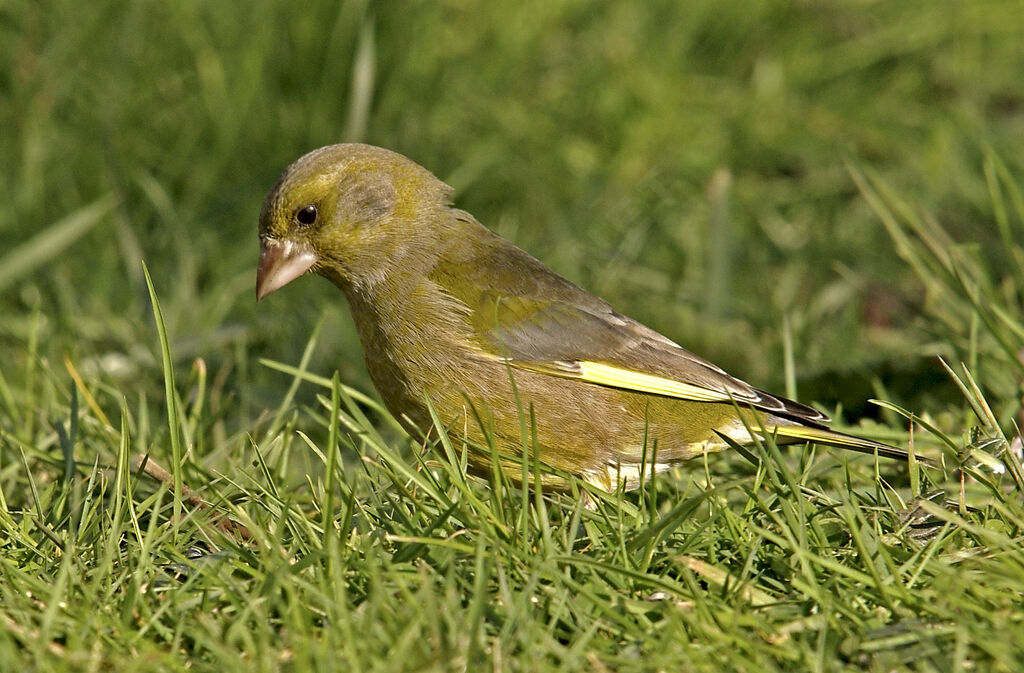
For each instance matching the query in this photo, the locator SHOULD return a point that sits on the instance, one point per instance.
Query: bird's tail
(805, 433)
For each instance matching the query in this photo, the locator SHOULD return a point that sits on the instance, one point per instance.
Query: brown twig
(146, 464)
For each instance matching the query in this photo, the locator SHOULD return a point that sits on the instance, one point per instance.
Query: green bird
(448, 311)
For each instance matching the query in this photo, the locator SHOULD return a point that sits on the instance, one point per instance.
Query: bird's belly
(601, 434)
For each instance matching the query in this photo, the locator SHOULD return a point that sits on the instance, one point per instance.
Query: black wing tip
(788, 408)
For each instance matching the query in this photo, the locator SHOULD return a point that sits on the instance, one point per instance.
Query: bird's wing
(529, 316)
(598, 345)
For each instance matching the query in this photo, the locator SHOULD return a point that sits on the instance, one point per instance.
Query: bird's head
(352, 213)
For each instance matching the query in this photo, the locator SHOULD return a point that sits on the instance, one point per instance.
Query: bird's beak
(281, 262)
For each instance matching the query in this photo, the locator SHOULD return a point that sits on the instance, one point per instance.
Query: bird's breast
(418, 347)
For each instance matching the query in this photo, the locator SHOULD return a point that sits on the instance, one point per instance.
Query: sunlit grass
(824, 197)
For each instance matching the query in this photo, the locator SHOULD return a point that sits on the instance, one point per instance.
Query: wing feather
(538, 321)
(606, 348)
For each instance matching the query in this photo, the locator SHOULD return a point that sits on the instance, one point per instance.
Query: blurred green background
(686, 160)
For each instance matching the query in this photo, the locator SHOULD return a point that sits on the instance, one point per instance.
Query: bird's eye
(306, 216)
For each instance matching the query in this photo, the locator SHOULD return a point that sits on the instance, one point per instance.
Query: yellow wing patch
(626, 379)
(617, 377)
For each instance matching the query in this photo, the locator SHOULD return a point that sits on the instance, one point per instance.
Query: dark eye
(306, 216)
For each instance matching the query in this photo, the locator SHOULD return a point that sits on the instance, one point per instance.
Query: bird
(510, 355)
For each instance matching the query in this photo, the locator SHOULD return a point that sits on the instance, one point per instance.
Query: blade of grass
(170, 393)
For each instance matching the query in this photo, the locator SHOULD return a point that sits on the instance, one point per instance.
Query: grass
(824, 197)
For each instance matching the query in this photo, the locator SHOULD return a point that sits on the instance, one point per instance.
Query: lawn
(824, 197)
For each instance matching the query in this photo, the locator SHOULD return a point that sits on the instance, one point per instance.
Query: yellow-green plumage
(449, 311)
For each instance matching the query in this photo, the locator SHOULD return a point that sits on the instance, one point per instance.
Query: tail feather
(824, 436)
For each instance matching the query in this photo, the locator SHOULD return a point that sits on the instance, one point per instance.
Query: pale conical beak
(281, 262)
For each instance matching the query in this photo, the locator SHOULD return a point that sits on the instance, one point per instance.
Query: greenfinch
(448, 311)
